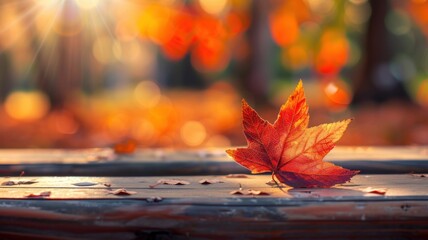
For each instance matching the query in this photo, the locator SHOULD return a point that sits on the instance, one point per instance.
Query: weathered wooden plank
(19, 156)
(158, 162)
(132, 219)
(407, 185)
(197, 211)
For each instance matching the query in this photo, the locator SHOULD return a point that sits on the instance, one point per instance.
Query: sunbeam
(105, 23)
(18, 19)
(44, 37)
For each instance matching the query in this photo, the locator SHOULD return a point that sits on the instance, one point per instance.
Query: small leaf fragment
(173, 182)
(169, 182)
(84, 184)
(419, 175)
(122, 192)
(379, 191)
(40, 195)
(28, 182)
(272, 183)
(206, 181)
(249, 192)
(11, 183)
(126, 147)
(256, 192)
(237, 192)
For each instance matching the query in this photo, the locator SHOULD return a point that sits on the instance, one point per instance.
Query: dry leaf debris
(39, 195)
(122, 192)
(206, 181)
(169, 182)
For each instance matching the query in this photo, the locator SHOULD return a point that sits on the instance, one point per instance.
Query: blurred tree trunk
(5, 76)
(173, 74)
(373, 81)
(253, 72)
(63, 78)
(69, 71)
(43, 77)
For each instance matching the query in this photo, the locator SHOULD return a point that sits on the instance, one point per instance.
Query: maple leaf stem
(276, 183)
(273, 179)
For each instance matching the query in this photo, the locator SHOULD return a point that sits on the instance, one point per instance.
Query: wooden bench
(164, 162)
(388, 200)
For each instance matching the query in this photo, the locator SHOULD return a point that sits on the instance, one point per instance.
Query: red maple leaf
(288, 148)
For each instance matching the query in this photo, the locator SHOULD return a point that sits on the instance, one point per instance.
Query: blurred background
(172, 73)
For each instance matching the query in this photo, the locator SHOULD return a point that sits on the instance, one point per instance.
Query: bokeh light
(295, 57)
(398, 22)
(321, 7)
(118, 125)
(26, 106)
(333, 53)
(154, 21)
(65, 123)
(193, 133)
(171, 73)
(215, 7)
(357, 13)
(147, 94)
(338, 94)
(422, 93)
(284, 28)
(210, 56)
(106, 50)
(145, 132)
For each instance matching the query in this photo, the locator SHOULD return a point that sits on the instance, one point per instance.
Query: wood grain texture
(197, 211)
(404, 185)
(164, 162)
